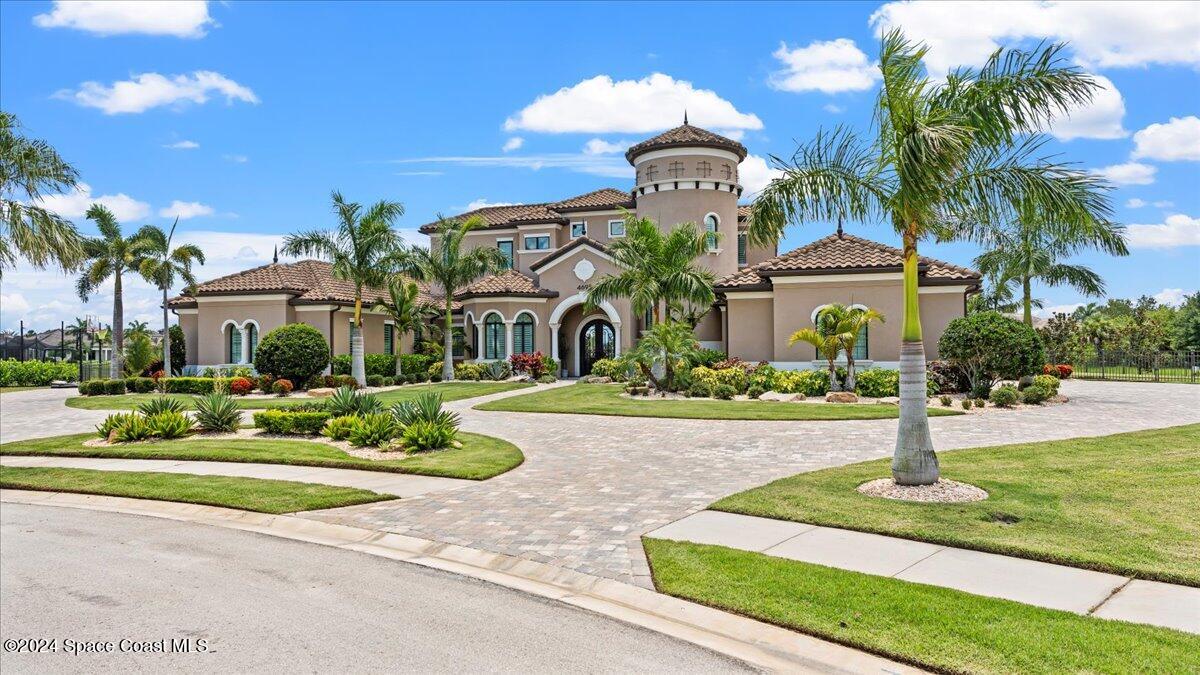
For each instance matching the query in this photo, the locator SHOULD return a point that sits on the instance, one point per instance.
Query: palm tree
(1031, 248)
(943, 154)
(30, 168)
(669, 344)
(162, 266)
(657, 269)
(109, 256)
(136, 327)
(857, 320)
(997, 295)
(407, 310)
(832, 329)
(359, 250)
(450, 265)
(79, 326)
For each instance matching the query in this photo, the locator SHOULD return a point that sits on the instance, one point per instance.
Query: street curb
(758, 644)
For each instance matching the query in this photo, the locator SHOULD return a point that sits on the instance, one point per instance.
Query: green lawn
(1124, 504)
(480, 457)
(928, 626)
(606, 399)
(450, 391)
(251, 494)
(10, 390)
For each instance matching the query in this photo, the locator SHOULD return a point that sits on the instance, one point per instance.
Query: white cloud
(602, 105)
(185, 210)
(833, 108)
(731, 134)
(598, 146)
(1049, 312)
(1136, 203)
(74, 204)
(1101, 34)
(182, 145)
(14, 303)
(151, 90)
(755, 174)
(1101, 118)
(1129, 173)
(611, 166)
(513, 143)
(483, 203)
(1170, 296)
(116, 17)
(236, 159)
(1176, 140)
(1177, 230)
(829, 67)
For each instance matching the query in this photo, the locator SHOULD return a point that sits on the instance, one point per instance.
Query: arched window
(861, 350)
(233, 344)
(711, 225)
(252, 339)
(493, 337)
(523, 334)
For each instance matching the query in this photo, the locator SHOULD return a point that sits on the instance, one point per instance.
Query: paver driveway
(591, 486)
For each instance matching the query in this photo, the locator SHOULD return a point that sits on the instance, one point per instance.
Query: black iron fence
(1141, 366)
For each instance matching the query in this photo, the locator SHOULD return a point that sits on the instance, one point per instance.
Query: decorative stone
(779, 396)
(890, 400)
(943, 491)
(584, 269)
(841, 397)
(320, 392)
(597, 379)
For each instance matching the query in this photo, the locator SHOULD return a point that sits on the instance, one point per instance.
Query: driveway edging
(759, 644)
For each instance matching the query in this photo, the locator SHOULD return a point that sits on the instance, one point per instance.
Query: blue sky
(241, 117)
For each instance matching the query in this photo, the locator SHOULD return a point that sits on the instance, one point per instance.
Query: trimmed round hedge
(990, 347)
(295, 352)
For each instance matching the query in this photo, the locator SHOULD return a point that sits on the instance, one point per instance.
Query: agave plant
(160, 404)
(426, 407)
(373, 430)
(169, 424)
(347, 401)
(113, 421)
(217, 412)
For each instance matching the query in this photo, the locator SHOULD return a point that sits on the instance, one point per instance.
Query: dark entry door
(597, 341)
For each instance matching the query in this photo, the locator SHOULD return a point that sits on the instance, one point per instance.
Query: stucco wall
(213, 314)
(671, 207)
(751, 328)
(189, 323)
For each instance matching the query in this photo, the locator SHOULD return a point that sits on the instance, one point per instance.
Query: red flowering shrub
(240, 386)
(533, 364)
(1062, 371)
(283, 387)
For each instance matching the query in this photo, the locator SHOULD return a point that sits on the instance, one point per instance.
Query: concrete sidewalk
(399, 484)
(1028, 581)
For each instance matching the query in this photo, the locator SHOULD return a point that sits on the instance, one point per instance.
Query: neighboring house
(556, 250)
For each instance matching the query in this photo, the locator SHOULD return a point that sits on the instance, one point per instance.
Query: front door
(597, 341)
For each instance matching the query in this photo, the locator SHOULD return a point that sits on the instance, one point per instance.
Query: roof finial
(685, 117)
(275, 258)
(839, 230)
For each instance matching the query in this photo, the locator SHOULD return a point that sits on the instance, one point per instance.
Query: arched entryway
(597, 340)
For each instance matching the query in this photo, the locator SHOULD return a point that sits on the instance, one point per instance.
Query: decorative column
(245, 344)
(617, 335)
(479, 342)
(554, 345)
(508, 338)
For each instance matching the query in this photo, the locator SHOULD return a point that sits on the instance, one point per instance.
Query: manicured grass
(480, 457)
(10, 390)
(935, 628)
(450, 391)
(1124, 504)
(606, 399)
(251, 494)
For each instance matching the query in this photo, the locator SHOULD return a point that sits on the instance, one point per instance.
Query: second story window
(578, 229)
(616, 228)
(704, 169)
(741, 249)
(539, 243)
(675, 169)
(711, 224)
(506, 248)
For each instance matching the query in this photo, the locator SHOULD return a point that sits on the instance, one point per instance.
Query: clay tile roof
(844, 253)
(604, 198)
(575, 243)
(544, 212)
(510, 282)
(686, 135)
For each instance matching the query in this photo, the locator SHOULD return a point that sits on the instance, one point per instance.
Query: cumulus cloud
(513, 143)
(602, 105)
(1129, 173)
(1170, 296)
(829, 67)
(185, 210)
(152, 90)
(483, 203)
(1101, 118)
(178, 18)
(1101, 34)
(610, 166)
(598, 146)
(833, 108)
(1136, 203)
(1177, 230)
(75, 203)
(182, 145)
(1176, 140)
(755, 174)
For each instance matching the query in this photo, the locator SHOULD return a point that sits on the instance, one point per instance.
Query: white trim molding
(688, 152)
(572, 253)
(928, 290)
(813, 317)
(185, 310)
(263, 297)
(838, 278)
(748, 295)
(316, 308)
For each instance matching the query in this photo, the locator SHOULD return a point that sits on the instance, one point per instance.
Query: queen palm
(833, 328)
(109, 256)
(858, 320)
(657, 269)
(359, 250)
(406, 309)
(163, 266)
(943, 154)
(450, 265)
(30, 168)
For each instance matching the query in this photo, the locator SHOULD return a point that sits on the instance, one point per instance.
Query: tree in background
(1185, 326)
(29, 169)
(178, 350)
(407, 311)
(164, 265)
(359, 249)
(944, 154)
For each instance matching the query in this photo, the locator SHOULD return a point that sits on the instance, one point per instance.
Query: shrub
(14, 373)
(139, 353)
(424, 408)
(387, 381)
(989, 347)
(373, 430)
(1036, 394)
(242, 371)
(755, 390)
(338, 428)
(698, 390)
(346, 401)
(547, 379)
(947, 378)
(807, 382)
(139, 385)
(290, 422)
(345, 381)
(533, 365)
(295, 352)
(159, 405)
(496, 370)
(966, 404)
(240, 386)
(944, 400)
(374, 380)
(1048, 381)
(550, 366)
(134, 428)
(414, 363)
(733, 377)
(1065, 371)
(375, 364)
(435, 377)
(611, 368)
(114, 387)
(1005, 396)
(169, 424)
(723, 392)
(426, 436)
(707, 357)
(217, 412)
(879, 382)
(980, 402)
(282, 387)
(111, 422)
(189, 385)
(310, 406)
(91, 388)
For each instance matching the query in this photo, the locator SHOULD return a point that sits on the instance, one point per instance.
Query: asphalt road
(264, 604)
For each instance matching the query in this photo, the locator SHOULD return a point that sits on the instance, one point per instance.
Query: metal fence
(1142, 367)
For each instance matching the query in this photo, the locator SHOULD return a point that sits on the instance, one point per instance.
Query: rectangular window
(860, 346)
(523, 337)
(539, 243)
(506, 248)
(460, 343)
(741, 249)
(616, 228)
(578, 229)
(388, 345)
(493, 340)
(235, 345)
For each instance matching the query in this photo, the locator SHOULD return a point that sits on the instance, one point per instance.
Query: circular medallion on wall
(584, 269)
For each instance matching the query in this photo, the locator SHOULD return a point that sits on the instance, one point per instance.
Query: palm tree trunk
(834, 385)
(396, 340)
(1027, 301)
(358, 367)
(851, 385)
(166, 337)
(448, 344)
(116, 366)
(914, 462)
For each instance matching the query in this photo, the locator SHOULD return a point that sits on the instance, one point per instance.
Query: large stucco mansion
(557, 249)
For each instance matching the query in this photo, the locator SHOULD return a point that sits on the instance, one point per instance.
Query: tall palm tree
(857, 320)
(828, 337)
(450, 265)
(29, 168)
(109, 256)
(162, 266)
(136, 327)
(359, 250)
(943, 154)
(997, 295)
(657, 269)
(407, 310)
(1031, 249)
(79, 326)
